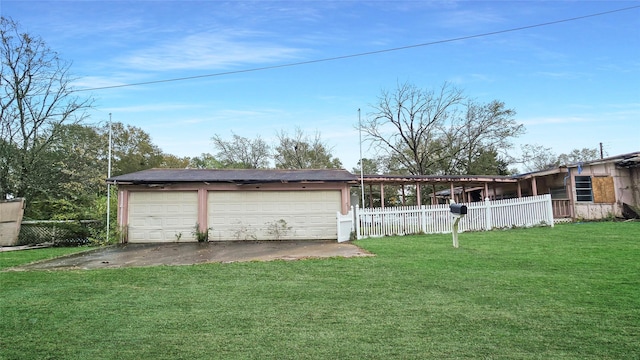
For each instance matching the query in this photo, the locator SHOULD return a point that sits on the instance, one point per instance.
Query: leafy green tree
(174, 162)
(204, 161)
(487, 162)
(241, 152)
(132, 149)
(370, 167)
(302, 151)
(36, 98)
(8, 155)
(74, 176)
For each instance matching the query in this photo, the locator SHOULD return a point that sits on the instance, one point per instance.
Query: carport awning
(469, 180)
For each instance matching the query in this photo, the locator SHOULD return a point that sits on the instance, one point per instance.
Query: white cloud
(465, 19)
(560, 75)
(96, 82)
(553, 120)
(146, 108)
(209, 51)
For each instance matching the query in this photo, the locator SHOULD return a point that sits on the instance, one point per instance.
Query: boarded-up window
(603, 191)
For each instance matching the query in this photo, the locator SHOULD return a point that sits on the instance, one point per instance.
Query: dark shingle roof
(244, 176)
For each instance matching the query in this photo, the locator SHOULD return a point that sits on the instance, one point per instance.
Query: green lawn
(14, 258)
(569, 292)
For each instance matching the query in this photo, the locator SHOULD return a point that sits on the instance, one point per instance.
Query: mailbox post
(458, 211)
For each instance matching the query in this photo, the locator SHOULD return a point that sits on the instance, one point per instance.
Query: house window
(584, 191)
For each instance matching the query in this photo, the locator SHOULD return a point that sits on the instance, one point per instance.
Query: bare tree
(36, 97)
(406, 124)
(301, 151)
(579, 155)
(537, 157)
(437, 132)
(486, 129)
(241, 152)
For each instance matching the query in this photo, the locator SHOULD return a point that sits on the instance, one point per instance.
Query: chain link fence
(60, 233)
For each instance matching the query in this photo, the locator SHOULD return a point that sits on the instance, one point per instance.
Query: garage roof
(244, 176)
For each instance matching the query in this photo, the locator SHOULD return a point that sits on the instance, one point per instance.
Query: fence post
(489, 220)
(549, 204)
(357, 222)
(423, 218)
(339, 225)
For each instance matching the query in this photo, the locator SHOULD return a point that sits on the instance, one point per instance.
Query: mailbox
(458, 209)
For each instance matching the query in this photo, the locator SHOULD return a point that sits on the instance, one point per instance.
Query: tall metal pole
(361, 164)
(109, 176)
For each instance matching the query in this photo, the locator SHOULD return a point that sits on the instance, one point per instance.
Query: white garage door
(162, 216)
(273, 215)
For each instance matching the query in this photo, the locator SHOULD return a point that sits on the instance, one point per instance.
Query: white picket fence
(432, 219)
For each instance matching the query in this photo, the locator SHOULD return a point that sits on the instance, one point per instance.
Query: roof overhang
(437, 179)
(232, 176)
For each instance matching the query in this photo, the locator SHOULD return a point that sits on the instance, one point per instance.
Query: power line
(363, 53)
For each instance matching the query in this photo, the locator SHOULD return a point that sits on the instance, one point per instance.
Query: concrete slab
(136, 255)
(25, 247)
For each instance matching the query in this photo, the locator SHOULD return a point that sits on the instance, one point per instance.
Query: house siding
(608, 183)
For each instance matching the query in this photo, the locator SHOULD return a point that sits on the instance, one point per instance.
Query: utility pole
(109, 176)
(601, 152)
(361, 164)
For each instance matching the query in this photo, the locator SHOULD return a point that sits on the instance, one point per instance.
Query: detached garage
(168, 205)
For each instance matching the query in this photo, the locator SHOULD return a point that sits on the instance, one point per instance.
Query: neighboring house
(169, 205)
(592, 190)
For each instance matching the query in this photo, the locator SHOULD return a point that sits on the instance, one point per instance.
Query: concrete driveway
(197, 253)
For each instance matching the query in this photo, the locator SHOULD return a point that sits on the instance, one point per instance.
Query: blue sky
(573, 84)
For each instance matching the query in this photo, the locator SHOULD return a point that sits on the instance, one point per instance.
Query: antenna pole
(361, 163)
(109, 176)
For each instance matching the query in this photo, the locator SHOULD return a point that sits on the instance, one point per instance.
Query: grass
(14, 258)
(569, 292)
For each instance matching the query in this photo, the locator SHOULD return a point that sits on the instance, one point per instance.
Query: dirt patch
(136, 255)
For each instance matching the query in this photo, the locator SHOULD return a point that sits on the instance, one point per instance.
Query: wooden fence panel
(11, 212)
